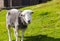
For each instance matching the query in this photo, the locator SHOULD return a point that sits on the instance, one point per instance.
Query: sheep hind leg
(9, 33)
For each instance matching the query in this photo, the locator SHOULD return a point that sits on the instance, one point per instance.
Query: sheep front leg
(22, 38)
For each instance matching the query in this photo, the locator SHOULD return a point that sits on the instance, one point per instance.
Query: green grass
(45, 24)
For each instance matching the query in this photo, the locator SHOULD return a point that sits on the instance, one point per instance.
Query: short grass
(45, 24)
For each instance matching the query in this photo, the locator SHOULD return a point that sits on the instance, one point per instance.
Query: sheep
(18, 20)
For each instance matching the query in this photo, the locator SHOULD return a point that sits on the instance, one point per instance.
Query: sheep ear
(21, 11)
(32, 12)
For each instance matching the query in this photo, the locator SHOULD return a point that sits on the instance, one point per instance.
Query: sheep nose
(29, 21)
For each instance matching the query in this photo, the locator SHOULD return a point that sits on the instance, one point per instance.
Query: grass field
(45, 24)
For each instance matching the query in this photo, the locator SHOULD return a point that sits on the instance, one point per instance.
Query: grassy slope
(45, 24)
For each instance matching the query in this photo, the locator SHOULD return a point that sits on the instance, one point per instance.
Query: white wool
(12, 18)
(27, 15)
(26, 12)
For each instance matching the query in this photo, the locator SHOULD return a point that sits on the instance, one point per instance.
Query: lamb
(18, 20)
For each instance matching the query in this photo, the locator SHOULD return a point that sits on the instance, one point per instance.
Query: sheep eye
(22, 15)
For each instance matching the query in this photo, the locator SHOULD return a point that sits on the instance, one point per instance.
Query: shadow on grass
(44, 13)
(40, 38)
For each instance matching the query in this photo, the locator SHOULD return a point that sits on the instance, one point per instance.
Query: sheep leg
(22, 38)
(16, 33)
(9, 33)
